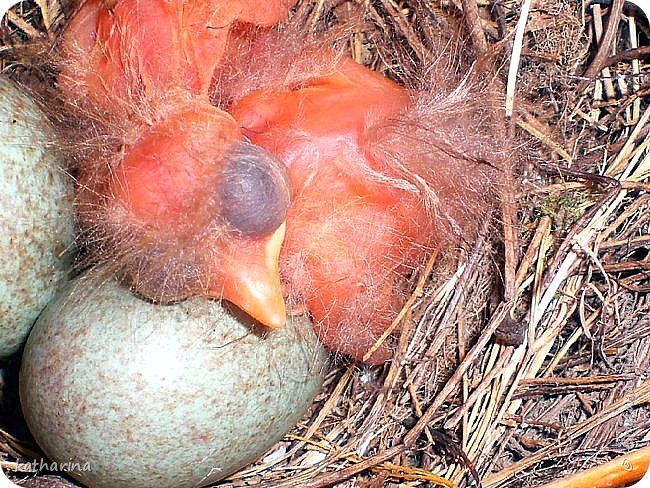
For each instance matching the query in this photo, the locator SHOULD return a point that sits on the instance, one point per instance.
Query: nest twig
(457, 406)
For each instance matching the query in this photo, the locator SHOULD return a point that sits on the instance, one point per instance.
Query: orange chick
(240, 164)
(352, 237)
(381, 177)
(170, 193)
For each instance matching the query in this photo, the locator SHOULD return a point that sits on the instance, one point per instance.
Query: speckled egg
(133, 394)
(36, 216)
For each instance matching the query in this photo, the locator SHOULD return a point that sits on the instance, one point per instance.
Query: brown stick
(636, 53)
(473, 20)
(618, 472)
(337, 476)
(603, 50)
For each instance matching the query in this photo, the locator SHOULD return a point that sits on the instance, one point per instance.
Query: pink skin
(351, 239)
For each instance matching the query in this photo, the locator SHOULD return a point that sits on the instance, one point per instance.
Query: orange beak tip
(275, 321)
(267, 311)
(251, 281)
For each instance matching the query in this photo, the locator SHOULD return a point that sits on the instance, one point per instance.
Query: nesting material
(561, 276)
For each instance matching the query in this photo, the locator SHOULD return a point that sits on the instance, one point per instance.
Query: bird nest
(523, 357)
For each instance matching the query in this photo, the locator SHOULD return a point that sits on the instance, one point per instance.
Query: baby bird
(241, 162)
(175, 196)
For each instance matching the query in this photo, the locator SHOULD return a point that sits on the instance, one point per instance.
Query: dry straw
(564, 276)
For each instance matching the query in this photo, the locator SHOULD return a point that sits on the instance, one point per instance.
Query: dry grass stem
(524, 356)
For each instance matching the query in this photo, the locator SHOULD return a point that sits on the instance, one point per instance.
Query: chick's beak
(251, 279)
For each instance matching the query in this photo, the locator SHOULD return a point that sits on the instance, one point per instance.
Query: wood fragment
(579, 288)
(617, 473)
(605, 46)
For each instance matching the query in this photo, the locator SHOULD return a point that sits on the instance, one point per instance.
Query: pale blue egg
(36, 216)
(131, 394)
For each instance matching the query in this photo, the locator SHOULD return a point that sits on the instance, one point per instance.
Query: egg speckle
(134, 394)
(36, 216)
